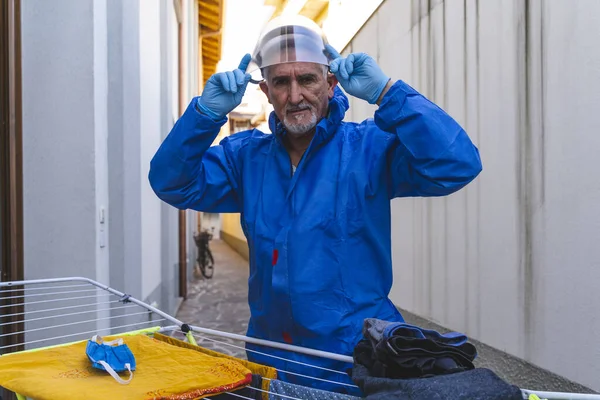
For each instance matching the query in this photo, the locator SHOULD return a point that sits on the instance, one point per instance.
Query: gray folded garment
(289, 390)
(475, 384)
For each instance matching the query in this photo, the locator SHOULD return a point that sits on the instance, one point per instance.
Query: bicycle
(205, 261)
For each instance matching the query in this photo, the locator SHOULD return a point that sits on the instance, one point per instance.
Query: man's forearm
(385, 90)
(434, 156)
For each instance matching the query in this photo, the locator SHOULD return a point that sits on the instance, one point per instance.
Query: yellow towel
(163, 371)
(262, 370)
(258, 369)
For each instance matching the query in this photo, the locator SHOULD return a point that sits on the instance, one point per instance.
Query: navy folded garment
(377, 330)
(399, 350)
(474, 384)
(414, 364)
(413, 358)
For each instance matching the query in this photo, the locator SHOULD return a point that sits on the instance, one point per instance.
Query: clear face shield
(288, 39)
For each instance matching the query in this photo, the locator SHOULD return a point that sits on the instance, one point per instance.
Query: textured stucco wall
(511, 260)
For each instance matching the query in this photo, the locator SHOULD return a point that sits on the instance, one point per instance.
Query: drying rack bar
(183, 326)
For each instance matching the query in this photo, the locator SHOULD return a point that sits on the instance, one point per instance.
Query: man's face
(300, 93)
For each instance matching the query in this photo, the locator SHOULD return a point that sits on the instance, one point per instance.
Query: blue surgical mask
(112, 357)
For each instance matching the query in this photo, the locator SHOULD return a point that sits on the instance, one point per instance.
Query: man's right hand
(224, 91)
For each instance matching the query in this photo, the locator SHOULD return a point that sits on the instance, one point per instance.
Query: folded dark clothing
(400, 350)
(399, 344)
(376, 330)
(413, 358)
(420, 367)
(474, 384)
(364, 355)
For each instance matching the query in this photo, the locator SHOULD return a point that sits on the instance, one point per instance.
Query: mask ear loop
(99, 340)
(115, 375)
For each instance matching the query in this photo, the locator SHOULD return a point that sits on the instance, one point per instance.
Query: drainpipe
(182, 213)
(11, 176)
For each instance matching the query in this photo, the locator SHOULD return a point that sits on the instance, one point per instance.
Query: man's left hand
(359, 75)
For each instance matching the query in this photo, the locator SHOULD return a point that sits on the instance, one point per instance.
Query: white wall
(101, 145)
(191, 89)
(97, 101)
(565, 204)
(174, 60)
(345, 17)
(511, 260)
(65, 173)
(150, 139)
(191, 47)
(59, 139)
(155, 17)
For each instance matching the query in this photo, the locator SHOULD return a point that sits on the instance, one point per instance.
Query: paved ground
(509, 368)
(221, 303)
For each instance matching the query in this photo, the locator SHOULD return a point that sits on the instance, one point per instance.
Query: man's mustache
(299, 107)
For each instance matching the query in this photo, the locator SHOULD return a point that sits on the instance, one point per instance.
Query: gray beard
(300, 128)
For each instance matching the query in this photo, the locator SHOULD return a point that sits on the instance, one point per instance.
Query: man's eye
(279, 82)
(307, 80)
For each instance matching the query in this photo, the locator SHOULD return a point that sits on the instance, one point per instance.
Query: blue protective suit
(319, 239)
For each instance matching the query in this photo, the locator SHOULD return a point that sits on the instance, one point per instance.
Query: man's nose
(295, 93)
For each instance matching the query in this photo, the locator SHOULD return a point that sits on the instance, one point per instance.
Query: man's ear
(332, 82)
(265, 89)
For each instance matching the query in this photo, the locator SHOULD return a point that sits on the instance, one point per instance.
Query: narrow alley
(220, 303)
(430, 156)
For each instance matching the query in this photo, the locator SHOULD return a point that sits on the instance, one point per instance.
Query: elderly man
(314, 195)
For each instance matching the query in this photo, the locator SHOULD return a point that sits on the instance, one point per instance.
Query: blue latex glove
(359, 74)
(224, 91)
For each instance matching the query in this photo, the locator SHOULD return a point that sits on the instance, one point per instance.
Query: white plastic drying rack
(53, 306)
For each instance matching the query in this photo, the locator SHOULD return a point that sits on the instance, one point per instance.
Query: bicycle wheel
(207, 267)
(198, 270)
